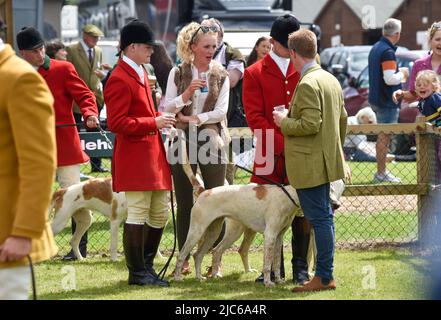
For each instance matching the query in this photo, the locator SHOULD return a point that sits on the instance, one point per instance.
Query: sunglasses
(204, 29)
(435, 27)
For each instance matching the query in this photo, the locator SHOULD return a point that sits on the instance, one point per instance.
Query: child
(357, 147)
(427, 87)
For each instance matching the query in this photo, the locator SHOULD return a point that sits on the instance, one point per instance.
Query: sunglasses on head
(204, 29)
(436, 26)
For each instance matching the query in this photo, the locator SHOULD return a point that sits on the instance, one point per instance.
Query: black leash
(101, 130)
(280, 185)
(34, 288)
(165, 267)
(69, 125)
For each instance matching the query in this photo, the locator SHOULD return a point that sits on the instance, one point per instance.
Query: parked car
(326, 56)
(356, 97)
(346, 62)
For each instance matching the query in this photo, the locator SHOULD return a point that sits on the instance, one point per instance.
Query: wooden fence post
(422, 157)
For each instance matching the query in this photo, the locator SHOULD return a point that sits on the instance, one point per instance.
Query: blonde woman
(431, 62)
(198, 92)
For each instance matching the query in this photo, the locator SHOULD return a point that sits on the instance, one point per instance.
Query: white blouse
(174, 103)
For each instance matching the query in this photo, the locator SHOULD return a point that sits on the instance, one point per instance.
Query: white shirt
(86, 49)
(174, 103)
(232, 64)
(2, 45)
(138, 69)
(282, 63)
(391, 78)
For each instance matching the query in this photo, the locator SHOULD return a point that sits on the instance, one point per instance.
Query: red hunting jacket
(139, 162)
(66, 87)
(264, 87)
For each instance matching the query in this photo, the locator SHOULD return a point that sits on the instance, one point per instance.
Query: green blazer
(80, 60)
(315, 130)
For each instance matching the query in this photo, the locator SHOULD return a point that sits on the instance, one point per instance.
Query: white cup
(167, 131)
(280, 108)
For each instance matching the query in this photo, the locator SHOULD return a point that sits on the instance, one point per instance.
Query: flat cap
(93, 30)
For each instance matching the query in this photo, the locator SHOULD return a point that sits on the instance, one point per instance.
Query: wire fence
(373, 212)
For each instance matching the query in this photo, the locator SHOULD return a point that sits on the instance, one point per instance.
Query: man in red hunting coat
(66, 87)
(139, 164)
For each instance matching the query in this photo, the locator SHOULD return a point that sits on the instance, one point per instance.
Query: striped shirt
(430, 107)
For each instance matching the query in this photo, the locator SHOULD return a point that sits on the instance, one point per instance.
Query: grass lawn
(376, 274)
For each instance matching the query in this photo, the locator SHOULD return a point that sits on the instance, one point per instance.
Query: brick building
(354, 22)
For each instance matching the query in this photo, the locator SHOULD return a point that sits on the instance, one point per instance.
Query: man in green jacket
(314, 132)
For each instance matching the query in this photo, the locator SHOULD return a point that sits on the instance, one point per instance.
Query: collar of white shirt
(282, 63)
(2, 45)
(138, 69)
(307, 66)
(86, 48)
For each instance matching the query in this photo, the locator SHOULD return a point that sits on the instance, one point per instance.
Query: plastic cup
(203, 76)
(152, 80)
(167, 131)
(280, 108)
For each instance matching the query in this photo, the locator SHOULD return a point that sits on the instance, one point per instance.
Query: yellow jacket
(86, 71)
(315, 130)
(27, 161)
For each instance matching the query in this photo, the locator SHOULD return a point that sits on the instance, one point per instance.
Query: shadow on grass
(223, 288)
(410, 260)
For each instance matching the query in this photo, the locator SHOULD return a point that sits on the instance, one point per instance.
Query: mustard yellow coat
(315, 130)
(28, 159)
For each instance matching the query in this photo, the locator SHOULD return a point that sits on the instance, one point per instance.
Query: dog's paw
(178, 277)
(252, 270)
(217, 275)
(201, 278)
(269, 284)
(279, 281)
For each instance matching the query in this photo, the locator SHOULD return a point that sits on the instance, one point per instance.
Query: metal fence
(372, 213)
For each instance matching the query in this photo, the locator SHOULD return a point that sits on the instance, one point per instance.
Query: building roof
(307, 10)
(381, 10)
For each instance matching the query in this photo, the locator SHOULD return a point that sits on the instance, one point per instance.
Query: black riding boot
(282, 270)
(301, 230)
(152, 238)
(133, 242)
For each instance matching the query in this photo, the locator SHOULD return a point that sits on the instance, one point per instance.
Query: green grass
(363, 172)
(397, 274)
(385, 226)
